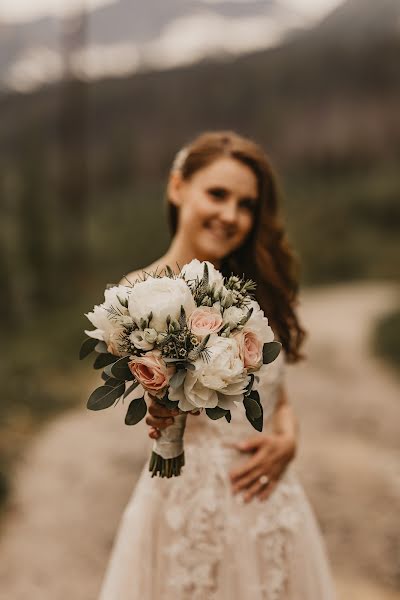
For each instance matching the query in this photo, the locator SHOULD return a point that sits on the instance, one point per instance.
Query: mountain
(136, 34)
(361, 21)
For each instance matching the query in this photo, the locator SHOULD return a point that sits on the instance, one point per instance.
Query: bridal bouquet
(193, 341)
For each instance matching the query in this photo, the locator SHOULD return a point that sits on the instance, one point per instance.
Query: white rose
(258, 323)
(104, 320)
(195, 270)
(217, 382)
(162, 296)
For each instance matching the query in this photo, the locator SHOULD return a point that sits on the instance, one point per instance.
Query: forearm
(284, 420)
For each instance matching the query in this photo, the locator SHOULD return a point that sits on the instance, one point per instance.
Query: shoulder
(130, 277)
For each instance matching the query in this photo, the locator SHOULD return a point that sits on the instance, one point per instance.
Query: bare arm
(284, 420)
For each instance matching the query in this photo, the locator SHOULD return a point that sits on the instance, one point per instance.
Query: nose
(228, 214)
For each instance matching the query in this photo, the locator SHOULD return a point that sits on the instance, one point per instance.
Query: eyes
(220, 193)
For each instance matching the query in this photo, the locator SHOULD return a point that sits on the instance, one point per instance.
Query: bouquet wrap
(168, 456)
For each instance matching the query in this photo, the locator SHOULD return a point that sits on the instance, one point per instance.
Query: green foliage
(216, 413)
(136, 411)
(105, 396)
(271, 351)
(386, 338)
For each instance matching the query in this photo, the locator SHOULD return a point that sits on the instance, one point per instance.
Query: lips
(218, 232)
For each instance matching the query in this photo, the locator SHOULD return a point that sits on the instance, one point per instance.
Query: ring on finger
(264, 480)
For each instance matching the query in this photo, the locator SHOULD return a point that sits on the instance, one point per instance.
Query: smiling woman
(237, 523)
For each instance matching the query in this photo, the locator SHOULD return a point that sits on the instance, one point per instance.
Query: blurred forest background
(83, 168)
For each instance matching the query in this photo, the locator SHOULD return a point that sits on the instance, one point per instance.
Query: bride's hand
(271, 454)
(159, 417)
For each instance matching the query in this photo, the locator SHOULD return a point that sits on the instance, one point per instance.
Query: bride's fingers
(156, 410)
(248, 479)
(154, 433)
(255, 488)
(159, 422)
(267, 491)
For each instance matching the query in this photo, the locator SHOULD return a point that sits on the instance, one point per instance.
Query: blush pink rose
(250, 348)
(204, 320)
(151, 371)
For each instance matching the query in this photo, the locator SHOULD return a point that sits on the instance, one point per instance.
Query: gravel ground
(77, 475)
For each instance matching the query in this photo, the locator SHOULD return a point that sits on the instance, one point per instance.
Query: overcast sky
(26, 10)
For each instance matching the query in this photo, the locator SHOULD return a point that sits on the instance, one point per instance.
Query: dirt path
(77, 476)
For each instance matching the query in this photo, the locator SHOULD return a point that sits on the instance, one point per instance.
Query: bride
(235, 525)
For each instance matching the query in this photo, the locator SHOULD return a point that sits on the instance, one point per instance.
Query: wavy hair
(266, 255)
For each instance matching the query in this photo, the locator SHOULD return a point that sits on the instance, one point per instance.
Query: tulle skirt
(189, 537)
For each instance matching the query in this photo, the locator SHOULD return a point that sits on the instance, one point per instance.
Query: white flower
(162, 296)
(150, 335)
(233, 315)
(139, 341)
(258, 323)
(195, 269)
(109, 315)
(217, 382)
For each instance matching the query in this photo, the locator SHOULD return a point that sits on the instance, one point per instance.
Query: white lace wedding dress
(188, 537)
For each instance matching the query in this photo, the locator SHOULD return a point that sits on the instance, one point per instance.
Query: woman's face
(216, 207)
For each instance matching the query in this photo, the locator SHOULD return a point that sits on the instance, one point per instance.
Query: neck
(180, 253)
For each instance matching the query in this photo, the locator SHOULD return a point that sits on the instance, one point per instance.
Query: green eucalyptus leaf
(101, 347)
(189, 366)
(136, 411)
(257, 423)
(216, 413)
(250, 384)
(102, 360)
(107, 370)
(228, 416)
(131, 388)
(113, 382)
(120, 369)
(271, 351)
(104, 396)
(88, 345)
(256, 396)
(252, 407)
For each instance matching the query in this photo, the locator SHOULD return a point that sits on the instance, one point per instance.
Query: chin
(213, 252)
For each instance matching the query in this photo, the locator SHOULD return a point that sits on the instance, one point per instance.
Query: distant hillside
(305, 102)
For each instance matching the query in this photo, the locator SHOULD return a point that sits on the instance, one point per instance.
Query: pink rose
(151, 371)
(250, 348)
(204, 320)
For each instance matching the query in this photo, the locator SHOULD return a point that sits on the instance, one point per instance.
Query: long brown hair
(266, 255)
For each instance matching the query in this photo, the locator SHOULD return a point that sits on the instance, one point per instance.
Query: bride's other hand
(159, 417)
(271, 454)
